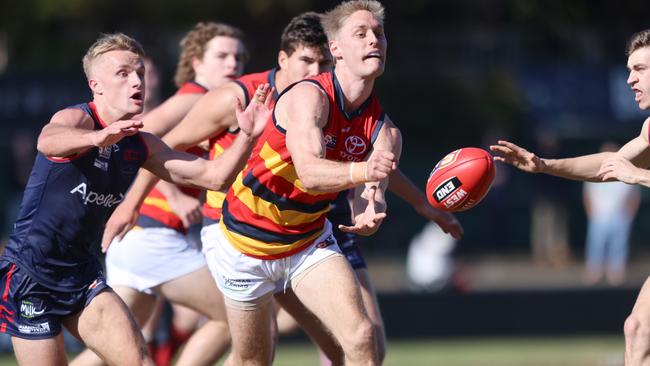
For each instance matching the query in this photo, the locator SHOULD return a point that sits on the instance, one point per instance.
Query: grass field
(556, 351)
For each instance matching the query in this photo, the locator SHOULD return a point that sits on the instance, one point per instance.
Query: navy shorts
(30, 310)
(348, 244)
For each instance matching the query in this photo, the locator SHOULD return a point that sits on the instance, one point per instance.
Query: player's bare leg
(252, 338)
(637, 330)
(372, 307)
(140, 305)
(331, 291)
(198, 291)
(107, 327)
(315, 329)
(46, 352)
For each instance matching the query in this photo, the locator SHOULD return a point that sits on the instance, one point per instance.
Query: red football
(461, 179)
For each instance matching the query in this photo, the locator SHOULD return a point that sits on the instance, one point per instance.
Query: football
(461, 179)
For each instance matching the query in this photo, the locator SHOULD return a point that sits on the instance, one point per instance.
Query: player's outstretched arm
(303, 112)
(189, 170)
(70, 131)
(401, 185)
(583, 168)
(213, 113)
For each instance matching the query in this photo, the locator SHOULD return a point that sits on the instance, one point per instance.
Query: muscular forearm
(60, 141)
(324, 175)
(584, 168)
(217, 174)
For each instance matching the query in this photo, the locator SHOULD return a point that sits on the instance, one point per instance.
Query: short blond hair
(638, 40)
(110, 42)
(194, 45)
(333, 20)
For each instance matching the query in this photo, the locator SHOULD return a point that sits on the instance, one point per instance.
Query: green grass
(523, 351)
(557, 351)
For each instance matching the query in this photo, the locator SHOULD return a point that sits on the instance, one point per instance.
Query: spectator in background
(610, 209)
(549, 222)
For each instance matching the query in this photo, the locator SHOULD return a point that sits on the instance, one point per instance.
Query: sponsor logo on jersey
(236, 284)
(446, 188)
(355, 145)
(103, 165)
(99, 199)
(330, 141)
(34, 329)
(28, 309)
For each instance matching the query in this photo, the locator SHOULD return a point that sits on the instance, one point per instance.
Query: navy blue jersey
(65, 206)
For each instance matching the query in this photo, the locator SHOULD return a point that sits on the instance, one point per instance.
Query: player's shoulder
(260, 77)
(226, 91)
(645, 130)
(72, 117)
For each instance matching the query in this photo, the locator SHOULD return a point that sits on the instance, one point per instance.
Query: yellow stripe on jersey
(270, 211)
(273, 162)
(262, 249)
(160, 203)
(215, 199)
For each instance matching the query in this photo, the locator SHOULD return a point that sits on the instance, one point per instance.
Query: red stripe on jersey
(5, 294)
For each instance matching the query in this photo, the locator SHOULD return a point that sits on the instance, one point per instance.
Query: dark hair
(194, 43)
(638, 40)
(303, 30)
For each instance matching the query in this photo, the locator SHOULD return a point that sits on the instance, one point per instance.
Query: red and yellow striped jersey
(248, 83)
(155, 210)
(268, 213)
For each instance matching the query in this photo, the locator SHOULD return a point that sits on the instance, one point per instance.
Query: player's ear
(196, 64)
(95, 86)
(334, 49)
(283, 60)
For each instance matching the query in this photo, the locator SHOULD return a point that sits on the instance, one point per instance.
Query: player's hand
(366, 223)
(509, 153)
(447, 221)
(114, 132)
(254, 118)
(187, 208)
(121, 221)
(379, 165)
(620, 169)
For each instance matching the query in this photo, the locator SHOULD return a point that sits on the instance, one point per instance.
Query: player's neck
(356, 90)
(280, 81)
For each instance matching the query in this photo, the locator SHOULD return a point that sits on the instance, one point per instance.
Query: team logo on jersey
(330, 141)
(99, 199)
(105, 152)
(327, 242)
(355, 145)
(29, 310)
